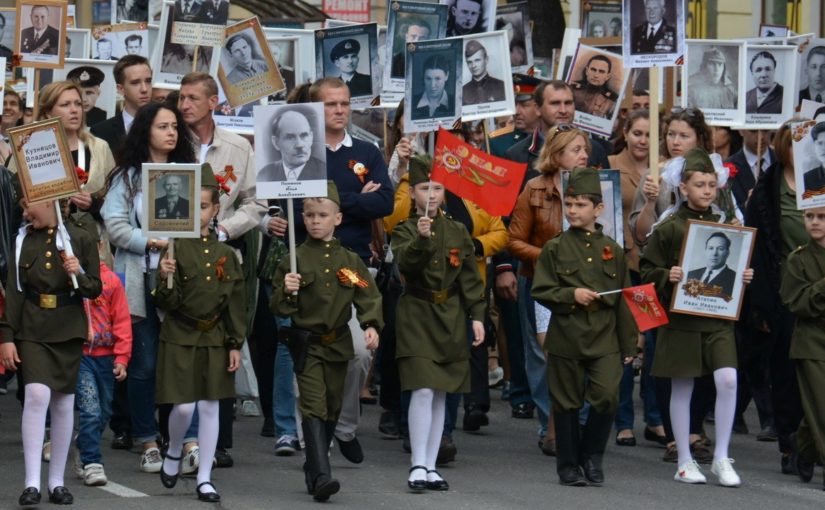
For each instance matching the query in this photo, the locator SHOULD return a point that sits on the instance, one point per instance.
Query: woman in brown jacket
(536, 219)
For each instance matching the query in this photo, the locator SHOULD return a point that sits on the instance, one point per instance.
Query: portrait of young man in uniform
(345, 55)
(592, 93)
(482, 88)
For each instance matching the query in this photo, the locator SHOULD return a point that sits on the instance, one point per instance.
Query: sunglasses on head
(561, 128)
(690, 111)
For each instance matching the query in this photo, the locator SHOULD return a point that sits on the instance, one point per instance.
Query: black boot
(594, 441)
(317, 464)
(567, 448)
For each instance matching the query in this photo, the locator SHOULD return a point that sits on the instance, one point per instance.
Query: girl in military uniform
(44, 325)
(200, 338)
(443, 289)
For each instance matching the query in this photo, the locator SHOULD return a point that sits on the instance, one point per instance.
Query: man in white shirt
(750, 162)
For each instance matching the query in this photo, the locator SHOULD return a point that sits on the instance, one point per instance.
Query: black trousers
(263, 345)
(787, 406)
(121, 422)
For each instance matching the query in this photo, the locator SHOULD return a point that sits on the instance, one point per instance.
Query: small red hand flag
(645, 306)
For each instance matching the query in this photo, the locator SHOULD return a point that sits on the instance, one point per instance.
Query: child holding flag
(590, 335)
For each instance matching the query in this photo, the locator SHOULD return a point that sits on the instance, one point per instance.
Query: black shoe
(474, 419)
(223, 459)
(626, 441)
(208, 497)
(740, 427)
(437, 485)
(61, 496)
(169, 481)
(351, 450)
(767, 435)
(572, 477)
(324, 488)
(656, 438)
(446, 451)
(523, 411)
(417, 485)
(268, 429)
(390, 424)
(804, 469)
(122, 442)
(785, 464)
(30, 497)
(593, 471)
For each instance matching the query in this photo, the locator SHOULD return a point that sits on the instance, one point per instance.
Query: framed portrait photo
(78, 43)
(97, 86)
(611, 218)
(290, 153)
(811, 83)
(812, 110)
(200, 22)
(487, 85)
(286, 53)
(124, 11)
(808, 144)
(598, 79)
(713, 79)
(601, 19)
(171, 200)
(713, 258)
(569, 45)
(40, 37)
(110, 42)
(8, 32)
(771, 85)
(514, 18)
(351, 53)
(247, 70)
(654, 33)
(172, 61)
(434, 85)
(44, 161)
(305, 48)
(466, 17)
(236, 119)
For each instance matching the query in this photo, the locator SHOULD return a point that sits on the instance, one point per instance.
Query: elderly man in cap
(482, 88)
(241, 47)
(89, 78)
(345, 57)
(711, 87)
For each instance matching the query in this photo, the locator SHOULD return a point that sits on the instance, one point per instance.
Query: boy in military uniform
(44, 325)
(690, 346)
(443, 291)
(590, 335)
(803, 292)
(319, 299)
(200, 337)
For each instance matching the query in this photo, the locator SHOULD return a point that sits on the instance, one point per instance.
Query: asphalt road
(501, 467)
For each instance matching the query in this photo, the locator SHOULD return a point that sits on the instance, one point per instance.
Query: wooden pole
(431, 144)
(654, 122)
(758, 153)
(170, 254)
(195, 59)
(290, 218)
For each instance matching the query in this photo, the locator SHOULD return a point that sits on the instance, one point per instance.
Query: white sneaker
(723, 469)
(689, 472)
(249, 408)
(191, 461)
(494, 377)
(150, 461)
(93, 475)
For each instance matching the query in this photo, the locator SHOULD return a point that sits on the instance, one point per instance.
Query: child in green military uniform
(803, 292)
(44, 326)
(690, 346)
(590, 336)
(319, 299)
(200, 337)
(443, 289)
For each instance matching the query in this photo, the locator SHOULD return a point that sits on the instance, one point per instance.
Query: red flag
(491, 182)
(645, 306)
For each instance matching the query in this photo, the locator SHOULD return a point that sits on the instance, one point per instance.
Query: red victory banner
(645, 306)
(491, 182)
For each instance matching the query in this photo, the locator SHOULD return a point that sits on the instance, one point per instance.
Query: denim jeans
(142, 373)
(95, 388)
(283, 397)
(535, 362)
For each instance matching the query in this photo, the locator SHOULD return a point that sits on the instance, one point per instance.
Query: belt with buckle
(433, 296)
(53, 300)
(331, 337)
(202, 325)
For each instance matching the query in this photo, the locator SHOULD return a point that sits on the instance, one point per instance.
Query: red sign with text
(348, 10)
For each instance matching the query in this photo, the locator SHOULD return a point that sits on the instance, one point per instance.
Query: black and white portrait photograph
(245, 57)
(247, 70)
(434, 87)
(514, 18)
(305, 51)
(654, 33)
(714, 257)
(41, 33)
(408, 22)
(602, 19)
(171, 200)
(809, 163)
(487, 89)
(199, 22)
(130, 10)
(172, 61)
(8, 19)
(770, 78)
(713, 79)
(350, 53)
(467, 17)
(78, 43)
(811, 65)
(285, 51)
(110, 42)
(611, 218)
(597, 78)
(812, 110)
(290, 155)
(97, 86)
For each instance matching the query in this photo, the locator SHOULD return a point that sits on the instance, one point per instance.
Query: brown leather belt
(202, 325)
(331, 337)
(433, 296)
(53, 300)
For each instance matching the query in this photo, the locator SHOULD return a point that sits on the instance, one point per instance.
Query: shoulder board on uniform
(502, 131)
(800, 249)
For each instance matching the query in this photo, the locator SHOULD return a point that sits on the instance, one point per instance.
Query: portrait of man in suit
(246, 57)
(345, 55)
(172, 206)
(465, 17)
(213, 12)
(815, 72)
(434, 101)
(482, 88)
(292, 137)
(716, 272)
(104, 49)
(413, 30)
(655, 35)
(283, 53)
(814, 179)
(40, 38)
(187, 10)
(766, 96)
(5, 51)
(134, 44)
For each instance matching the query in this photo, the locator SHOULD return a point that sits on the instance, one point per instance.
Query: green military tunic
(791, 225)
(584, 340)
(50, 339)
(208, 286)
(431, 339)
(803, 292)
(689, 345)
(333, 279)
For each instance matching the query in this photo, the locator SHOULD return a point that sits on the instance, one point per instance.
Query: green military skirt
(693, 353)
(53, 364)
(189, 373)
(416, 373)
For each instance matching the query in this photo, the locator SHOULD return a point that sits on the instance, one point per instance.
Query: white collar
(127, 119)
(346, 142)
(425, 102)
(753, 159)
(655, 27)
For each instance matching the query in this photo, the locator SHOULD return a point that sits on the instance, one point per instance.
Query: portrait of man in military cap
(481, 87)
(592, 93)
(89, 79)
(345, 56)
(714, 84)
(245, 56)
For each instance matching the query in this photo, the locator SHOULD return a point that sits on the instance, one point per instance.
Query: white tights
(40, 398)
(179, 420)
(426, 423)
(681, 391)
